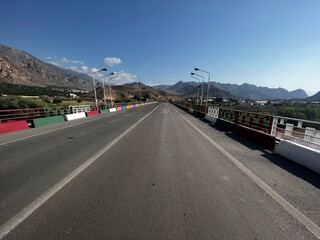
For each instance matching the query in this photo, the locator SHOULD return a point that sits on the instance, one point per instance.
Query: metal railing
(256, 121)
(303, 132)
(33, 113)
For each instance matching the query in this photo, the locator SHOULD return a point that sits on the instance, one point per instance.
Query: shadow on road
(286, 164)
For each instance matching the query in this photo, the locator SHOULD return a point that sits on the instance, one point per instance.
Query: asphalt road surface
(152, 172)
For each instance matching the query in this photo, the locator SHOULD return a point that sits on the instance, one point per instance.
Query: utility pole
(180, 93)
(110, 93)
(140, 89)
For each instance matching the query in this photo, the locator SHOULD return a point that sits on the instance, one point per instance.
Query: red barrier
(13, 126)
(119, 108)
(92, 113)
(201, 115)
(261, 138)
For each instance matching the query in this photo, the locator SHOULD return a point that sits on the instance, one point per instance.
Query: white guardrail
(300, 131)
(80, 108)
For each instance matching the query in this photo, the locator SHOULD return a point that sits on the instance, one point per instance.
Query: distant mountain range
(247, 91)
(18, 67)
(251, 91)
(132, 90)
(314, 98)
(191, 89)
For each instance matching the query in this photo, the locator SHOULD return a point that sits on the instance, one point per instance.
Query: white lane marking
(295, 213)
(26, 212)
(38, 134)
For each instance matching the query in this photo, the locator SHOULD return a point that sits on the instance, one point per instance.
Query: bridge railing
(300, 131)
(33, 113)
(256, 121)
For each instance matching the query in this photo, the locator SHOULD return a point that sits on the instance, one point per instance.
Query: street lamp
(198, 88)
(202, 86)
(94, 84)
(197, 69)
(104, 91)
(110, 89)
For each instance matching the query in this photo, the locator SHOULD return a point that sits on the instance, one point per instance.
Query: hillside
(132, 90)
(191, 89)
(18, 67)
(314, 98)
(253, 92)
(248, 91)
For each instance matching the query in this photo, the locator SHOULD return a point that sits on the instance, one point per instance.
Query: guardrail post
(288, 130)
(309, 133)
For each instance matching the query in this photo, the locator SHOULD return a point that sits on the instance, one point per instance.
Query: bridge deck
(156, 176)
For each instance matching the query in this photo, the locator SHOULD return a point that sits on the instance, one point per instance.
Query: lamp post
(198, 89)
(110, 89)
(202, 87)
(104, 91)
(197, 69)
(94, 84)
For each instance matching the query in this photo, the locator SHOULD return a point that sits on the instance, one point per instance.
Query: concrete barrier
(47, 120)
(112, 110)
(201, 115)
(226, 125)
(104, 111)
(195, 113)
(305, 156)
(13, 126)
(92, 113)
(210, 118)
(263, 139)
(119, 108)
(70, 117)
(124, 107)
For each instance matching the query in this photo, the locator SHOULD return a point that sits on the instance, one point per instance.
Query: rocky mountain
(138, 86)
(314, 98)
(248, 91)
(132, 90)
(18, 67)
(191, 89)
(253, 92)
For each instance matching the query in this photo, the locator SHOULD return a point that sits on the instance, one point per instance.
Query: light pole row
(192, 75)
(104, 92)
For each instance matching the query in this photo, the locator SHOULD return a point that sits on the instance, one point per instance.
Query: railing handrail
(297, 119)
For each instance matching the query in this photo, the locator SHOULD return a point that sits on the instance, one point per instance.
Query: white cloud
(112, 61)
(122, 78)
(84, 69)
(94, 70)
(49, 58)
(56, 64)
(74, 68)
(65, 60)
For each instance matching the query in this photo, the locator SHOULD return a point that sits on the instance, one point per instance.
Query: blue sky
(264, 42)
